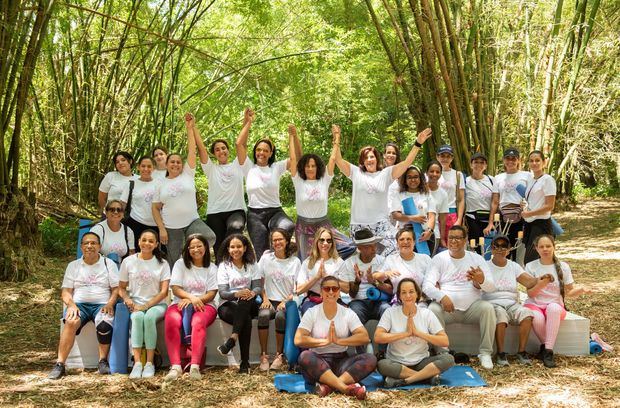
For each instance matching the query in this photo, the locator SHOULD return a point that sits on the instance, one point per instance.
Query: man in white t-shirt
(454, 282)
(89, 290)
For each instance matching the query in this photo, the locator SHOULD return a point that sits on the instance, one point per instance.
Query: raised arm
(202, 150)
(242, 140)
(191, 140)
(400, 168)
(343, 165)
(292, 149)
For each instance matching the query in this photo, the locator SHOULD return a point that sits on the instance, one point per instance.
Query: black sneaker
(391, 382)
(226, 347)
(104, 366)
(57, 372)
(541, 352)
(548, 360)
(244, 367)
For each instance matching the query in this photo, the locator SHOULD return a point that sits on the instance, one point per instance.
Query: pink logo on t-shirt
(90, 279)
(118, 248)
(226, 175)
(196, 286)
(313, 194)
(240, 282)
(148, 196)
(176, 189)
(265, 177)
(504, 284)
(143, 277)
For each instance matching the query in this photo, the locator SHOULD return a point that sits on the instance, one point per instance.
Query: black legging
(138, 228)
(532, 231)
(224, 224)
(239, 314)
(512, 236)
(475, 229)
(261, 221)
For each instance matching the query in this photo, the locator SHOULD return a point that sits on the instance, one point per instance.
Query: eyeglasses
(455, 238)
(325, 240)
(331, 289)
(114, 210)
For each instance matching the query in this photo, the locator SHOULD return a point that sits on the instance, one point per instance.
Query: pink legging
(546, 323)
(200, 322)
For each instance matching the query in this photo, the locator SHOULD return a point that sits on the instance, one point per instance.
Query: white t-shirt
(423, 202)
(91, 283)
(447, 182)
(535, 193)
(178, 196)
(114, 242)
(505, 279)
(113, 183)
(141, 201)
(159, 174)
(441, 205)
(415, 268)
(315, 321)
(280, 275)
(412, 350)
(551, 292)
(237, 278)
(311, 196)
(347, 271)
(392, 190)
(144, 277)
(225, 185)
(196, 281)
(370, 195)
(507, 186)
(451, 274)
(262, 184)
(479, 193)
(332, 266)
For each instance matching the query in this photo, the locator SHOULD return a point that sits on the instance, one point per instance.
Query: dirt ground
(591, 245)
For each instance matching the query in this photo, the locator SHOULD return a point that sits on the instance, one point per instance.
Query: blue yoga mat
(119, 348)
(595, 348)
(457, 376)
(410, 209)
(521, 189)
(291, 351)
(83, 228)
(375, 294)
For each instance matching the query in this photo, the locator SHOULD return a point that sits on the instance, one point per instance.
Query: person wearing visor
(480, 201)
(453, 183)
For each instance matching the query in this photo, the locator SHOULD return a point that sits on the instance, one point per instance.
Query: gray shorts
(513, 314)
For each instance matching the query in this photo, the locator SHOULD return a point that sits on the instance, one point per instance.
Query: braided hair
(556, 263)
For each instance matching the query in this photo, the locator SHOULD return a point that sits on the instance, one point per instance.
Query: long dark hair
(187, 258)
(249, 257)
(125, 154)
(556, 262)
(301, 166)
(291, 247)
(402, 181)
(157, 252)
(418, 291)
(216, 141)
(272, 158)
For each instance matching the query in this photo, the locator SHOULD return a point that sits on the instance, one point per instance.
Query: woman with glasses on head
(408, 330)
(323, 261)
(117, 239)
(326, 331)
(505, 299)
(113, 182)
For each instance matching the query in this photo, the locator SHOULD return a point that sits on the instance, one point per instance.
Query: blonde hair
(556, 263)
(314, 254)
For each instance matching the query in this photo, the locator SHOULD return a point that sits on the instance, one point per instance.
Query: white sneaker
(136, 371)
(148, 371)
(194, 373)
(174, 373)
(486, 361)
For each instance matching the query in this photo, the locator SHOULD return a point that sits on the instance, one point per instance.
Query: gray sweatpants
(480, 312)
(391, 368)
(176, 238)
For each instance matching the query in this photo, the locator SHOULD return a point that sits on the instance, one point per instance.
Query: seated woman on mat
(408, 330)
(279, 269)
(194, 282)
(143, 286)
(239, 282)
(326, 331)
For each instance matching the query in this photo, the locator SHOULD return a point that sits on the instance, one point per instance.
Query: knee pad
(263, 319)
(104, 333)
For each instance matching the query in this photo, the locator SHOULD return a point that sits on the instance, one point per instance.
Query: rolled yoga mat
(291, 351)
(186, 327)
(83, 227)
(595, 348)
(119, 348)
(375, 294)
(410, 209)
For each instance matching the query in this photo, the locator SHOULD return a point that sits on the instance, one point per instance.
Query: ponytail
(560, 273)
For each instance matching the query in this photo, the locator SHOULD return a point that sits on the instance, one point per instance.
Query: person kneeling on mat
(408, 330)
(327, 330)
(89, 290)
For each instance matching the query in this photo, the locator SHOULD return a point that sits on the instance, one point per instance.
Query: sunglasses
(114, 210)
(331, 289)
(325, 240)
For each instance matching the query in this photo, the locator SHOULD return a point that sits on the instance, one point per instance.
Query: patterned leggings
(313, 365)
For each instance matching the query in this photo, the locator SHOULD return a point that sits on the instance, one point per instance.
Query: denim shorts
(88, 311)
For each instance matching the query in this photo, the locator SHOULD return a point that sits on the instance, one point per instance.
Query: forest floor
(591, 245)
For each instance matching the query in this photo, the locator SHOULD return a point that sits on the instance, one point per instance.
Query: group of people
(156, 214)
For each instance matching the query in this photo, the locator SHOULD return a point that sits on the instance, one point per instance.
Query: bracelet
(417, 144)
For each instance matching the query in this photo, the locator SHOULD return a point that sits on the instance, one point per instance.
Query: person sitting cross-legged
(89, 290)
(454, 282)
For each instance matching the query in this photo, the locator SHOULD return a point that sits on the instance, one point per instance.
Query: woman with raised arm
(408, 330)
(311, 179)
(262, 183)
(225, 203)
(327, 331)
(369, 203)
(174, 206)
(113, 182)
